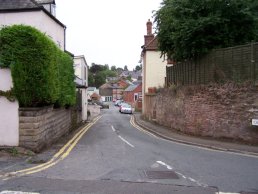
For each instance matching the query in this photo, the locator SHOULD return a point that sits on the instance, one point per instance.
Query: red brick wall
(129, 96)
(219, 111)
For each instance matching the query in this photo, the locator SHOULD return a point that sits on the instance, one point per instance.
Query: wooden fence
(237, 64)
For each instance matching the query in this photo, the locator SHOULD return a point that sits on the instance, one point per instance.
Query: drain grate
(161, 174)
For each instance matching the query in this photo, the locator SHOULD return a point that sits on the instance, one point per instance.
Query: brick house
(132, 93)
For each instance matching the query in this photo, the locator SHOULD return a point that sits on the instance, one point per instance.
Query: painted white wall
(80, 65)
(81, 71)
(38, 19)
(155, 69)
(9, 116)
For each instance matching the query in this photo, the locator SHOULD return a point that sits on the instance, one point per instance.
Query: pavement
(171, 135)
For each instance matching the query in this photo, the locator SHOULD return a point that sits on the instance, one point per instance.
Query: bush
(38, 67)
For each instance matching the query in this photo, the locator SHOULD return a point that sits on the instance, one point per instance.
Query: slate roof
(91, 88)
(131, 88)
(45, 1)
(17, 4)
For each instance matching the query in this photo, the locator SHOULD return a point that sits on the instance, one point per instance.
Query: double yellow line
(141, 129)
(60, 155)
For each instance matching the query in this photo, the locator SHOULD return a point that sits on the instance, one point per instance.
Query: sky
(106, 31)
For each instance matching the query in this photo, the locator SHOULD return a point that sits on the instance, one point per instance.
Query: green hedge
(42, 73)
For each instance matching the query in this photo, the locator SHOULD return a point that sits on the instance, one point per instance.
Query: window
(135, 96)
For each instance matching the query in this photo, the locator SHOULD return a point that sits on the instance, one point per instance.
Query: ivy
(8, 94)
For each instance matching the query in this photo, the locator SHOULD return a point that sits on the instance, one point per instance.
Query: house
(92, 90)
(117, 91)
(81, 74)
(37, 13)
(119, 87)
(132, 93)
(153, 66)
(135, 75)
(106, 92)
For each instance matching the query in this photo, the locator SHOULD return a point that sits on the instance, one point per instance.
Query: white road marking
(164, 164)
(226, 193)
(125, 141)
(189, 178)
(192, 180)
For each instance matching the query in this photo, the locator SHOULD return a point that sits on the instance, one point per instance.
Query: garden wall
(218, 111)
(40, 127)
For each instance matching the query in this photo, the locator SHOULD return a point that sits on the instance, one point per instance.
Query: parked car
(120, 105)
(126, 108)
(118, 102)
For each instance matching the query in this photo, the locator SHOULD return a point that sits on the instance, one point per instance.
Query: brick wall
(40, 127)
(219, 111)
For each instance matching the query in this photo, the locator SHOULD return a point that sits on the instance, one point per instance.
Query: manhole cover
(161, 175)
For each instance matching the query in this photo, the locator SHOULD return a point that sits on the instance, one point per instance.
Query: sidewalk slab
(170, 134)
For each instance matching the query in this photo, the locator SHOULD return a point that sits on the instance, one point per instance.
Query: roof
(91, 88)
(45, 1)
(105, 86)
(94, 95)
(131, 88)
(153, 44)
(7, 6)
(17, 4)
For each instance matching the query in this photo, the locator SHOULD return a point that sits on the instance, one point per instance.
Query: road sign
(255, 122)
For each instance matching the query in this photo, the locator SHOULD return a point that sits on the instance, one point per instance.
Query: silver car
(126, 108)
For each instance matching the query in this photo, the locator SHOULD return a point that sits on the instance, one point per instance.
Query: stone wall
(93, 111)
(218, 111)
(40, 127)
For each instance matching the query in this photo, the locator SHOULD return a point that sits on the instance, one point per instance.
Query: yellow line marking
(60, 155)
(193, 146)
(141, 129)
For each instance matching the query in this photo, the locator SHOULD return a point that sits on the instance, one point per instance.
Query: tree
(138, 68)
(113, 68)
(125, 68)
(100, 78)
(190, 28)
(98, 74)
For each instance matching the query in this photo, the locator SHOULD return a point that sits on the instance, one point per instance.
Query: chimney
(149, 27)
(149, 37)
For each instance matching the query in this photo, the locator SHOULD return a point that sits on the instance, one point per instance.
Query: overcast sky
(106, 31)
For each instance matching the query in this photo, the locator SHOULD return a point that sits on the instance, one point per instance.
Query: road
(115, 156)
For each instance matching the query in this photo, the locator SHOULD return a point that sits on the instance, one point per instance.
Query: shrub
(38, 67)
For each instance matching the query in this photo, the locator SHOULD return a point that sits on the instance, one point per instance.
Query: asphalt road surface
(115, 156)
